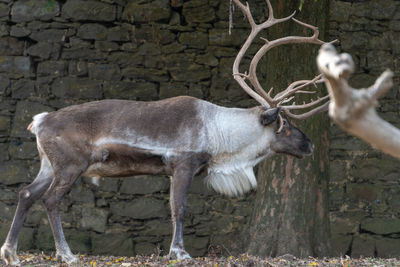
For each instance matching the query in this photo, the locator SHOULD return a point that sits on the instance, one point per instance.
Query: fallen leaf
(347, 264)
(120, 259)
(29, 257)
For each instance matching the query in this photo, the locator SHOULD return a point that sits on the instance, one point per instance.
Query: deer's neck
(238, 142)
(233, 131)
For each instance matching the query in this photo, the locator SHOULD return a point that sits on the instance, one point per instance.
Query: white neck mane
(233, 181)
(237, 143)
(232, 174)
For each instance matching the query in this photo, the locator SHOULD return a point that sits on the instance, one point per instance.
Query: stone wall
(364, 183)
(58, 53)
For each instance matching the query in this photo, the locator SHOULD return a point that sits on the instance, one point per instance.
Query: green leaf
(50, 5)
(301, 4)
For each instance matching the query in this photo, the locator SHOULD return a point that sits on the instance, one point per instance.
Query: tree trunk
(291, 206)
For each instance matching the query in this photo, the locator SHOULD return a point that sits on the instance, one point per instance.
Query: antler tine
(284, 19)
(307, 105)
(305, 92)
(305, 115)
(271, 16)
(270, 10)
(321, 108)
(313, 28)
(286, 100)
(296, 86)
(249, 15)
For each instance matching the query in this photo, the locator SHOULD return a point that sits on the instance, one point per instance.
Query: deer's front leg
(180, 182)
(183, 171)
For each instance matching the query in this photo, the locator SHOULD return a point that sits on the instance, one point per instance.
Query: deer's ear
(269, 116)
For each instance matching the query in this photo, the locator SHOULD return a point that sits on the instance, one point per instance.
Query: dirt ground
(41, 259)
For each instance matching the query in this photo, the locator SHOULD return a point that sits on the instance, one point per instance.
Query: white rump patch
(232, 182)
(37, 120)
(95, 180)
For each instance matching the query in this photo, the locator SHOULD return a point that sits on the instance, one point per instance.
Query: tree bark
(291, 207)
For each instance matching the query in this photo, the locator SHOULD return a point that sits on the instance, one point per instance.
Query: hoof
(9, 256)
(68, 258)
(178, 254)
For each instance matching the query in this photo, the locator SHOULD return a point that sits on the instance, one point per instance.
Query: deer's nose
(308, 147)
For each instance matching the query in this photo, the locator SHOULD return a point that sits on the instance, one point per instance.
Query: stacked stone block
(57, 53)
(364, 183)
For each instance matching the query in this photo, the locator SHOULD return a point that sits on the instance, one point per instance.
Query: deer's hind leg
(68, 164)
(27, 196)
(64, 179)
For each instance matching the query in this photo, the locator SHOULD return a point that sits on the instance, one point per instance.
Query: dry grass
(41, 259)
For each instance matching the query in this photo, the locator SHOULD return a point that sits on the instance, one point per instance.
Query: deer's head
(288, 138)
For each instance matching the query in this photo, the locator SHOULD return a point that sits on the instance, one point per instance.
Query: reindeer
(178, 137)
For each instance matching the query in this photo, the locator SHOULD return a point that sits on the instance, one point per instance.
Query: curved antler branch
(297, 86)
(254, 89)
(307, 105)
(235, 69)
(305, 115)
(271, 44)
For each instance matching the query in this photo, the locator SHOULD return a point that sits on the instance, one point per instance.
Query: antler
(258, 93)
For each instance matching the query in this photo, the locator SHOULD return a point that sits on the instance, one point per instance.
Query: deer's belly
(119, 169)
(120, 161)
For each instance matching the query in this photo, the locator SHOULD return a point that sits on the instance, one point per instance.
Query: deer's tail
(33, 127)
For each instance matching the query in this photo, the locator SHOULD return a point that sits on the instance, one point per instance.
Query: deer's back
(172, 123)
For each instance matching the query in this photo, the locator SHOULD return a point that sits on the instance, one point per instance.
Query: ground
(41, 259)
